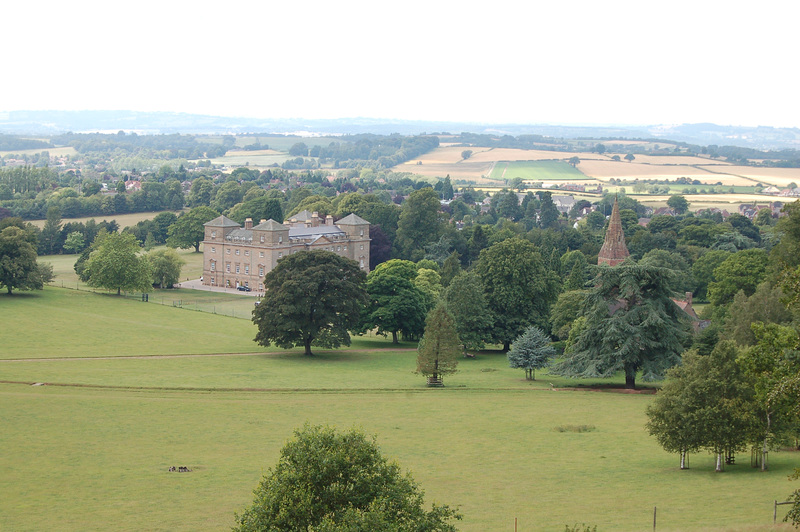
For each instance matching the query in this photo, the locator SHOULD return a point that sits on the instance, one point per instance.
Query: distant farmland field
(124, 220)
(535, 170)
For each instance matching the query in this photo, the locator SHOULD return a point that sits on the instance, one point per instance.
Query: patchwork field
(93, 446)
(257, 158)
(487, 164)
(536, 171)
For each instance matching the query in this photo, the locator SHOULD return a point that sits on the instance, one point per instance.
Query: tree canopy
(703, 405)
(332, 481)
(115, 264)
(166, 266)
(312, 298)
(18, 267)
(396, 303)
(519, 287)
(531, 351)
(439, 348)
(466, 302)
(419, 223)
(188, 230)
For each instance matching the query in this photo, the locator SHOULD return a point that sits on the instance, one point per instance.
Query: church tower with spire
(614, 250)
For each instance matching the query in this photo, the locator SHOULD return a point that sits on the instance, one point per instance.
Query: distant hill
(55, 122)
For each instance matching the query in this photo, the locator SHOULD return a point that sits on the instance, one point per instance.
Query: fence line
(214, 306)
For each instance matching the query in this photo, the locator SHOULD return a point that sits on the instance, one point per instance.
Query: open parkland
(101, 395)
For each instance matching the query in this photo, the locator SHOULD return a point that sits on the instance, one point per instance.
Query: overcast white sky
(559, 62)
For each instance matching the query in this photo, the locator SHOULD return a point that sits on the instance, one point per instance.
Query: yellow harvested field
(69, 150)
(676, 160)
(780, 177)
(244, 153)
(468, 170)
(721, 199)
(509, 154)
(446, 155)
(604, 170)
(124, 220)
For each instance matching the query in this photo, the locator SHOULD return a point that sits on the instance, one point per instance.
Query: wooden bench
(435, 381)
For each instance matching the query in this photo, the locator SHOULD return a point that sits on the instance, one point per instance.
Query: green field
(535, 170)
(124, 220)
(228, 303)
(90, 450)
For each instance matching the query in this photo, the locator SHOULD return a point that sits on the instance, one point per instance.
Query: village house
(240, 257)
(563, 202)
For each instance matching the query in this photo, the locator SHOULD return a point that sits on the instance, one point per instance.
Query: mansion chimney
(248, 223)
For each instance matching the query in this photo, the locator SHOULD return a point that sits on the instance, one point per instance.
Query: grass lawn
(535, 170)
(69, 323)
(95, 450)
(124, 220)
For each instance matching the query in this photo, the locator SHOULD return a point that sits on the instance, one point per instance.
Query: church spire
(614, 250)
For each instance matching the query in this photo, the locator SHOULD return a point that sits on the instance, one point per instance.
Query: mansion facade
(240, 257)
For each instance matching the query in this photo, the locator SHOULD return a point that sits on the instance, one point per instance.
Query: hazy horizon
(582, 63)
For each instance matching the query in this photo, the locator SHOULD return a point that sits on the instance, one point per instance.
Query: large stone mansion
(236, 256)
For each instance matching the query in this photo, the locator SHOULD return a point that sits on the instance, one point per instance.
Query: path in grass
(179, 356)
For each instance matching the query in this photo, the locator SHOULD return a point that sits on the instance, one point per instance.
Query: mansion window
(237, 268)
(228, 251)
(228, 267)
(261, 271)
(262, 239)
(213, 234)
(261, 254)
(362, 247)
(213, 266)
(237, 251)
(246, 269)
(213, 250)
(246, 253)
(280, 254)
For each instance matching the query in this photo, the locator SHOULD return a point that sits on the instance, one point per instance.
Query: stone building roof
(352, 219)
(614, 250)
(221, 221)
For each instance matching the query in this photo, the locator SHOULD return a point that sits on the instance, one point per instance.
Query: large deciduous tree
(312, 298)
(703, 405)
(531, 351)
(466, 302)
(519, 287)
(188, 230)
(743, 270)
(439, 348)
(115, 264)
(772, 363)
(166, 265)
(396, 303)
(18, 267)
(420, 223)
(260, 208)
(678, 203)
(332, 481)
(631, 325)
